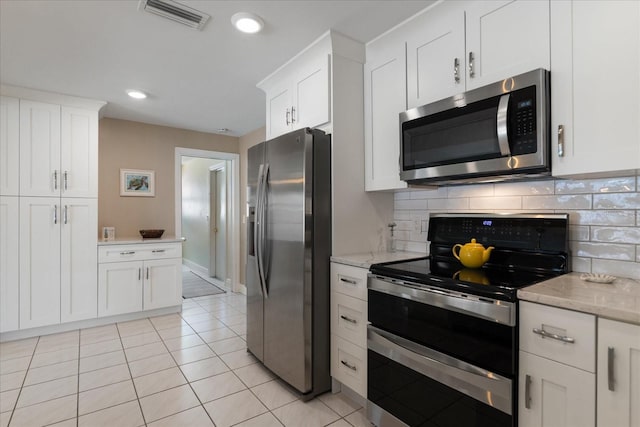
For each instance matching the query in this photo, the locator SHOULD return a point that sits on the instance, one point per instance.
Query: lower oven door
(409, 384)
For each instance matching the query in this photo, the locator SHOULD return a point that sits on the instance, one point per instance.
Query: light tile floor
(188, 369)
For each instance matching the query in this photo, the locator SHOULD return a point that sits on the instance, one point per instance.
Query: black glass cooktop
(493, 281)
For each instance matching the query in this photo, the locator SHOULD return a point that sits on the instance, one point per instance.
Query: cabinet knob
(560, 141)
(287, 116)
(456, 70)
(472, 71)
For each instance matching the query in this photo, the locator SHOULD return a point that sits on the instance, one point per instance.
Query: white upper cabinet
(435, 55)
(39, 149)
(384, 100)
(299, 96)
(9, 146)
(79, 156)
(595, 86)
(618, 378)
(505, 38)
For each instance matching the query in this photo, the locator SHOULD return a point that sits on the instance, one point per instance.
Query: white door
(384, 100)
(9, 146)
(162, 283)
(592, 43)
(9, 268)
(435, 55)
(553, 394)
(213, 222)
(79, 259)
(39, 149)
(79, 158)
(618, 374)
(312, 94)
(506, 38)
(39, 261)
(221, 225)
(119, 288)
(279, 109)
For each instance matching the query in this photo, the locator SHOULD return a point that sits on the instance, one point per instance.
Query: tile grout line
(15, 405)
(135, 390)
(78, 381)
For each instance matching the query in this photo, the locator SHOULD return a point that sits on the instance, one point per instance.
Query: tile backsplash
(604, 216)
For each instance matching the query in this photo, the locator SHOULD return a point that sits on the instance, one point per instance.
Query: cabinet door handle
(527, 391)
(348, 319)
(349, 281)
(55, 214)
(66, 214)
(158, 251)
(293, 115)
(55, 180)
(611, 382)
(139, 274)
(456, 70)
(287, 117)
(147, 273)
(348, 365)
(560, 141)
(128, 253)
(66, 180)
(472, 71)
(545, 334)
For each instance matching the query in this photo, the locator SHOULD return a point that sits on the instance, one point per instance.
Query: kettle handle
(453, 250)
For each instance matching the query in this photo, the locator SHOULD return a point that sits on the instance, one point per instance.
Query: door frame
(233, 237)
(213, 170)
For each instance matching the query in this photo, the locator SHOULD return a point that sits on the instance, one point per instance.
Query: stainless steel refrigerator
(288, 250)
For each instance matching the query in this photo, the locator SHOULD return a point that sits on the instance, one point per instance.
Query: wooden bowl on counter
(151, 234)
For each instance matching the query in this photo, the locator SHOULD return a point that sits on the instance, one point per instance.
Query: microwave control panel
(524, 135)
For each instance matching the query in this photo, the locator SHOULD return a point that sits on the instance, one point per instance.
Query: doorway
(207, 214)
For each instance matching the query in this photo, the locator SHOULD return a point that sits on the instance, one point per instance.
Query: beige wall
(245, 142)
(133, 145)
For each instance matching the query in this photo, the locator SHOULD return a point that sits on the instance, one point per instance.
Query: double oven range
(442, 340)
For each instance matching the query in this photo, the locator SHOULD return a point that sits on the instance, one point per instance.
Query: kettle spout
(486, 254)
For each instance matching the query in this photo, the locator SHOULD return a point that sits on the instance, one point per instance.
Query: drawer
(558, 322)
(349, 280)
(140, 252)
(349, 364)
(349, 318)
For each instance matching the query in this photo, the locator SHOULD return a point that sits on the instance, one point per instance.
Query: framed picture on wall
(137, 183)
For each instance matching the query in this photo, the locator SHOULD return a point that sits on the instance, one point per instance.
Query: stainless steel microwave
(493, 133)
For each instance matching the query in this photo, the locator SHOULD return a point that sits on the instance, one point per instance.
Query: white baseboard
(195, 267)
(82, 324)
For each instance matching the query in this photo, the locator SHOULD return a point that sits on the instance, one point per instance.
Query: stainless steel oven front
(438, 357)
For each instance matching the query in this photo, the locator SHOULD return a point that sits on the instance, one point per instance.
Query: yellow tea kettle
(472, 255)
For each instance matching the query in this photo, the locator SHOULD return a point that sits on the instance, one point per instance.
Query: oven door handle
(480, 384)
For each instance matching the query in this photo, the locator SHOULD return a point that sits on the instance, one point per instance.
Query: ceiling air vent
(176, 12)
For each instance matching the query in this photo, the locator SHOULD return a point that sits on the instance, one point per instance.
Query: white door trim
(234, 226)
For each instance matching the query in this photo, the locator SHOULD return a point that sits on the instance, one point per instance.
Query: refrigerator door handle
(262, 231)
(257, 223)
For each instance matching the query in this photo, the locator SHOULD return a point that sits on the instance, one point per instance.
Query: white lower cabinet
(9, 267)
(349, 326)
(557, 367)
(554, 394)
(618, 374)
(151, 279)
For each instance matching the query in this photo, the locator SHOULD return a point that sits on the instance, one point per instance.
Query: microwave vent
(176, 12)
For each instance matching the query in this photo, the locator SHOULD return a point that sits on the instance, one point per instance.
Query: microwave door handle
(501, 123)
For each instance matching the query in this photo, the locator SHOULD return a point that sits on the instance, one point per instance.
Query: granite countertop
(619, 300)
(138, 240)
(365, 260)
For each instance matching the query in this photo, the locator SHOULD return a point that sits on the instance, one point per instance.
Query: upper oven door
(494, 130)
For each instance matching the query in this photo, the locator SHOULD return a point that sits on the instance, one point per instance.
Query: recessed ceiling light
(136, 94)
(247, 22)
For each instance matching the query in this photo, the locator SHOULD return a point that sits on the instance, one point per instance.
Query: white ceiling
(199, 80)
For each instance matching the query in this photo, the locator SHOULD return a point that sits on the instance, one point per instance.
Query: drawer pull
(348, 319)
(545, 334)
(348, 365)
(611, 382)
(349, 281)
(158, 251)
(128, 253)
(527, 391)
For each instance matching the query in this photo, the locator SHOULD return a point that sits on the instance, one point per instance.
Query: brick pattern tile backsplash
(604, 216)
